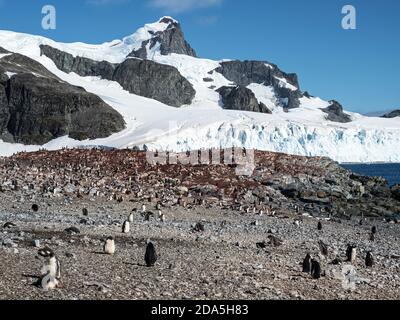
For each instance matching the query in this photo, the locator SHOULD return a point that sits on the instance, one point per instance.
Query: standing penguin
(372, 237)
(323, 247)
(307, 264)
(161, 216)
(109, 246)
(151, 256)
(315, 269)
(374, 230)
(126, 227)
(319, 227)
(351, 254)
(369, 260)
(51, 272)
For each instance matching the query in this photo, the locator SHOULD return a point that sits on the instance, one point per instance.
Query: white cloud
(177, 6)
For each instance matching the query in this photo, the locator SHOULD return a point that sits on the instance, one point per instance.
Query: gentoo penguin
(143, 208)
(319, 227)
(126, 227)
(275, 241)
(315, 269)
(351, 254)
(372, 237)
(151, 256)
(109, 246)
(131, 217)
(161, 216)
(51, 273)
(374, 230)
(369, 260)
(307, 264)
(323, 247)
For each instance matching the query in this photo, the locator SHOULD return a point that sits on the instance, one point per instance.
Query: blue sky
(360, 68)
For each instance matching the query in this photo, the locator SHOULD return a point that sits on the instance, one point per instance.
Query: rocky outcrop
(396, 192)
(172, 40)
(393, 114)
(241, 98)
(335, 113)
(243, 73)
(36, 106)
(142, 77)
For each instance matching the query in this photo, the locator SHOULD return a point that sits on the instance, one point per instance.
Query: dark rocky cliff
(36, 106)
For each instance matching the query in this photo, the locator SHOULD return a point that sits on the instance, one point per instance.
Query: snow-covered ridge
(204, 123)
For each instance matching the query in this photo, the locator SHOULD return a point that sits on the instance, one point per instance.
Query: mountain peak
(168, 20)
(164, 37)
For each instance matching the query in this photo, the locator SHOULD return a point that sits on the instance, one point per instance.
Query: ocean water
(390, 171)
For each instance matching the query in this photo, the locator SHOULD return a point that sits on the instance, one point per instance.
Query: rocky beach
(219, 235)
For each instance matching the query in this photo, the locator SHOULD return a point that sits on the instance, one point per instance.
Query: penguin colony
(51, 269)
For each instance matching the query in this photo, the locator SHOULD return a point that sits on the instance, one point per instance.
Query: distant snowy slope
(205, 123)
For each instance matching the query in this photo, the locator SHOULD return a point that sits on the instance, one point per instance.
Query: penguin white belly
(109, 247)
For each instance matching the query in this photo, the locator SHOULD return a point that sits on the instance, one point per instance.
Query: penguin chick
(51, 273)
(151, 256)
(109, 246)
(126, 227)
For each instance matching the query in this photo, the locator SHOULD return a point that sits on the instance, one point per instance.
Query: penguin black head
(46, 252)
(110, 239)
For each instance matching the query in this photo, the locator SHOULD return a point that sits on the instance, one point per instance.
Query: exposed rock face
(335, 113)
(142, 77)
(393, 114)
(244, 73)
(172, 40)
(36, 107)
(241, 98)
(396, 192)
